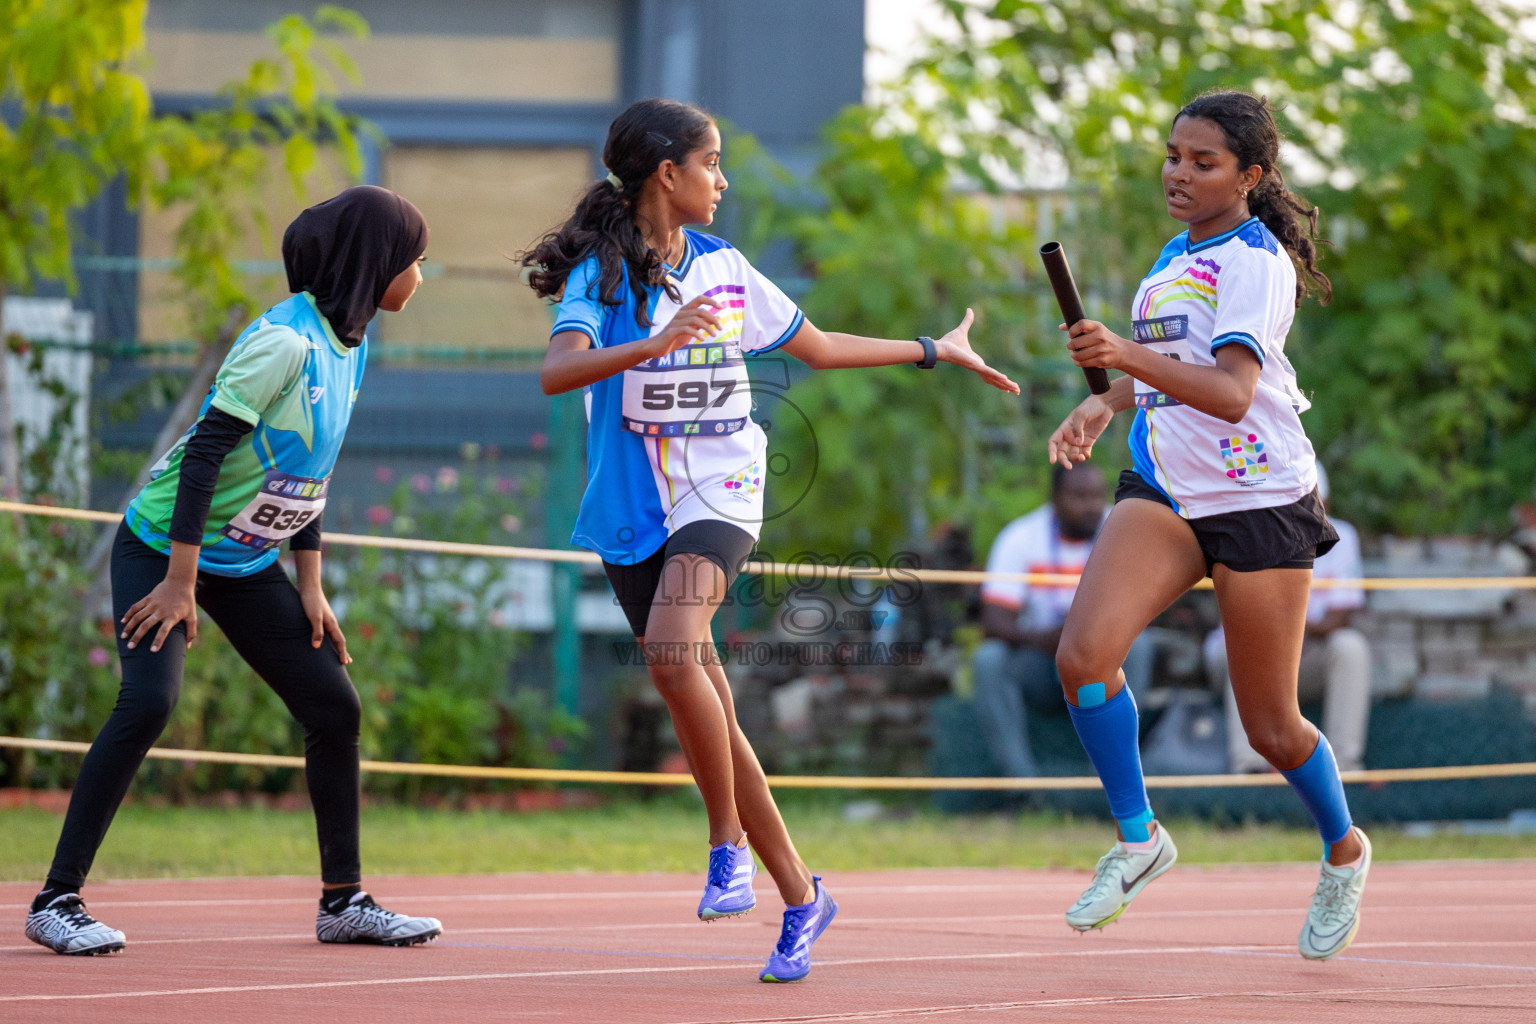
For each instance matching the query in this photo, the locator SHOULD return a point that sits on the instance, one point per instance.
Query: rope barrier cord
(798, 571)
(1368, 777)
(811, 570)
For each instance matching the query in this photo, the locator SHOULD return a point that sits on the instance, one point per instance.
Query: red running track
(1439, 942)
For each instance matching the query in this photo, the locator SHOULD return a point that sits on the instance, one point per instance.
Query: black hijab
(346, 250)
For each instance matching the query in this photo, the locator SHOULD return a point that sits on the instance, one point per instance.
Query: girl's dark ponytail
(604, 221)
(1254, 138)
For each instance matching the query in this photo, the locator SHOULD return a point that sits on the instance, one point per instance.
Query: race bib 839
(284, 506)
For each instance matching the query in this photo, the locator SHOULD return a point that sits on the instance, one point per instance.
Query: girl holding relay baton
(1223, 484)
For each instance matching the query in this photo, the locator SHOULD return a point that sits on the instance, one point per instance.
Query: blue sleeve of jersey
(1240, 338)
(580, 308)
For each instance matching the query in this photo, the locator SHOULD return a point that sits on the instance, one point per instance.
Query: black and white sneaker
(64, 927)
(362, 920)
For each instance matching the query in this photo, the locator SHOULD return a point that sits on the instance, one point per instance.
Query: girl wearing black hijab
(252, 472)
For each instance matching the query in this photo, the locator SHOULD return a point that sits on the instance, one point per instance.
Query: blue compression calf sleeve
(1317, 783)
(1108, 731)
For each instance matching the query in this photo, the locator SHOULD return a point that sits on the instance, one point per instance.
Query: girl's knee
(1283, 744)
(669, 675)
(146, 714)
(1078, 664)
(674, 663)
(339, 716)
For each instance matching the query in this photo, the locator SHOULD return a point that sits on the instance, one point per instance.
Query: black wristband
(930, 354)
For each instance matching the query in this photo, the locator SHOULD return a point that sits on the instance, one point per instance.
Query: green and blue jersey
(294, 383)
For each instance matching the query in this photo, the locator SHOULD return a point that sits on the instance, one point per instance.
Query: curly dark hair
(1248, 125)
(603, 223)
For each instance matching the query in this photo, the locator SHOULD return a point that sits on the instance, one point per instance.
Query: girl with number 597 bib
(251, 473)
(656, 323)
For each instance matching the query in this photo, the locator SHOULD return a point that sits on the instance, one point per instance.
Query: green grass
(664, 835)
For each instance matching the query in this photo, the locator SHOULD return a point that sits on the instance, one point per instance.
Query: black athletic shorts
(1285, 537)
(725, 544)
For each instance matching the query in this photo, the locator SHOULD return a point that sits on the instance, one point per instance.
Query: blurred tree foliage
(78, 116)
(1409, 124)
(874, 458)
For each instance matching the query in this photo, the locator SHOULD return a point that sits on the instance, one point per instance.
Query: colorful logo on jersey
(744, 483)
(732, 311)
(1155, 400)
(315, 393)
(1164, 328)
(1245, 460)
(711, 353)
(1196, 283)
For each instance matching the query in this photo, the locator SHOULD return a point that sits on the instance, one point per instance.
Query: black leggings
(264, 619)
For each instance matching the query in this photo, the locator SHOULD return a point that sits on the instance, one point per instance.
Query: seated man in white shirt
(1016, 663)
(1335, 659)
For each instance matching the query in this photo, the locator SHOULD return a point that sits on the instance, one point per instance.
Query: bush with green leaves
(432, 656)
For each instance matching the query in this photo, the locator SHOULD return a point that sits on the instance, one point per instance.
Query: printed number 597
(692, 394)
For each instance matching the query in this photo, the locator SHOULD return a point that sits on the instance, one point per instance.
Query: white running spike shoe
(65, 927)
(1119, 876)
(363, 920)
(1335, 914)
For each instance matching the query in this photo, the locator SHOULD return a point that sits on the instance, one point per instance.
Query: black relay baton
(1055, 260)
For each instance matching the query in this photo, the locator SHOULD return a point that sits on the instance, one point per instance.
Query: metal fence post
(567, 422)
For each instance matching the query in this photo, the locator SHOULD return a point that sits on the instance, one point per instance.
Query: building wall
(779, 70)
(493, 116)
(561, 51)
(484, 204)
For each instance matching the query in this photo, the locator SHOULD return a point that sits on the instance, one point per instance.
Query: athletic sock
(1108, 730)
(334, 899)
(1146, 847)
(51, 891)
(1318, 784)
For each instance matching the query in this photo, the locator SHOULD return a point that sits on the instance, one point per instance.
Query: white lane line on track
(1168, 883)
(1383, 960)
(676, 969)
(1237, 912)
(876, 922)
(1171, 997)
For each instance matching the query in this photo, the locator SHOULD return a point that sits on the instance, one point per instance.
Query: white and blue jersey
(672, 441)
(1238, 288)
(295, 383)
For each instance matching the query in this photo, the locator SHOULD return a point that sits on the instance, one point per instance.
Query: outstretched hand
(1073, 440)
(955, 347)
